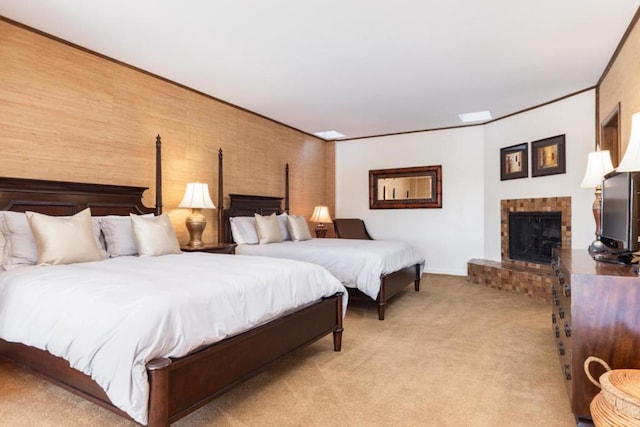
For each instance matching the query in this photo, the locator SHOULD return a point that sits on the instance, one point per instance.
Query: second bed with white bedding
(356, 263)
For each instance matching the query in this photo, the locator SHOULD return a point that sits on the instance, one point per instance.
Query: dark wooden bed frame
(248, 205)
(178, 386)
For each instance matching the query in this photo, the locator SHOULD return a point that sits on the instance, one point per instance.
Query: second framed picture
(514, 162)
(548, 156)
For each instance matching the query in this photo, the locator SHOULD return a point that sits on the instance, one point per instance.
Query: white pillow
(64, 240)
(284, 231)
(268, 228)
(243, 230)
(154, 236)
(118, 235)
(20, 246)
(97, 233)
(2, 245)
(298, 228)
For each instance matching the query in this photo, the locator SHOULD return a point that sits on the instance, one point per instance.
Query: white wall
(574, 117)
(468, 225)
(448, 237)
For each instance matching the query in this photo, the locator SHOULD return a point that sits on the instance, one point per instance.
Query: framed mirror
(406, 188)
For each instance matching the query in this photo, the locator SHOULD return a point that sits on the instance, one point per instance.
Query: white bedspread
(109, 318)
(356, 263)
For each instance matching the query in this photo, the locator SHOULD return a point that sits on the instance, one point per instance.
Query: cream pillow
(64, 240)
(154, 236)
(268, 229)
(298, 228)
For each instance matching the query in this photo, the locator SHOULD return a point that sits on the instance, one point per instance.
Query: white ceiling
(360, 67)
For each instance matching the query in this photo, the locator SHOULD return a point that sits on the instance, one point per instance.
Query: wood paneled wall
(69, 114)
(621, 83)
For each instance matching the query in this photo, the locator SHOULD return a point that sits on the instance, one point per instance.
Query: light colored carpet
(454, 354)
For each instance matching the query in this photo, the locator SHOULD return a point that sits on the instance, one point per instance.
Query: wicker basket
(618, 404)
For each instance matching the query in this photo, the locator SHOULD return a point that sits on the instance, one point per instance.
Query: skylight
(477, 116)
(329, 135)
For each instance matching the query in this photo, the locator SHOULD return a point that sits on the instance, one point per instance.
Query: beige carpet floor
(454, 354)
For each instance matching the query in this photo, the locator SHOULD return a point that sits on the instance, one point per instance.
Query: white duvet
(356, 263)
(109, 318)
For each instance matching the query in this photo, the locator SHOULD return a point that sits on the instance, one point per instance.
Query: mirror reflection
(416, 187)
(412, 187)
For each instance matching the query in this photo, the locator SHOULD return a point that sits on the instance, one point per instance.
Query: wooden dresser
(596, 312)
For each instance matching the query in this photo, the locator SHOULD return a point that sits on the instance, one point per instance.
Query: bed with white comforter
(109, 318)
(356, 263)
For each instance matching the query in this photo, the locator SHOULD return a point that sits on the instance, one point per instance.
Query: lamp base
(595, 208)
(597, 247)
(321, 231)
(195, 225)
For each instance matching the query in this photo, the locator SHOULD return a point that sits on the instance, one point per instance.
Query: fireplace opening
(533, 235)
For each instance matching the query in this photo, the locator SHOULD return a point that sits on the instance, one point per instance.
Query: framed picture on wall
(548, 156)
(514, 162)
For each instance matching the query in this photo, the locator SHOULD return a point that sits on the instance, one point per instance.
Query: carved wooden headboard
(247, 205)
(68, 198)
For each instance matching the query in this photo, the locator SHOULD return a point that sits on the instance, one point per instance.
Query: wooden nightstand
(214, 248)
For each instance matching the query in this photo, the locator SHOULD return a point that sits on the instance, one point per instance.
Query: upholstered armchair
(351, 228)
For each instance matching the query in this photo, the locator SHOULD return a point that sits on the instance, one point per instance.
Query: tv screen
(618, 214)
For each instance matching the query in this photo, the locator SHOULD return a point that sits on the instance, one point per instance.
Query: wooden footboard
(390, 285)
(179, 386)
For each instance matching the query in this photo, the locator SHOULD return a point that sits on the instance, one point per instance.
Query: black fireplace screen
(532, 235)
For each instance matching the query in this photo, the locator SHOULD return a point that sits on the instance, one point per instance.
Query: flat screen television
(619, 212)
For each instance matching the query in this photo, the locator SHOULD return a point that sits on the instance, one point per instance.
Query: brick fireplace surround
(521, 277)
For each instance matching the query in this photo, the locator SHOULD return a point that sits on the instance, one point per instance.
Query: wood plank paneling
(68, 114)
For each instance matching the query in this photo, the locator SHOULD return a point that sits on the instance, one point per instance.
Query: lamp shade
(631, 160)
(320, 214)
(197, 197)
(598, 165)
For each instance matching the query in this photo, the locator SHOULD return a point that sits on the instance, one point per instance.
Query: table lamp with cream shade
(197, 198)
(322, 217)
(631, 160)
(598, 165)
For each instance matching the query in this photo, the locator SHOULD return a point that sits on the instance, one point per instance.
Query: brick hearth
(521, 277)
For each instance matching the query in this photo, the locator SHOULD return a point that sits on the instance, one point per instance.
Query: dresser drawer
(561, 322)
(593, 313)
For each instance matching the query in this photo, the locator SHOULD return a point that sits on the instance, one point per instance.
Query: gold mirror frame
(406, 188)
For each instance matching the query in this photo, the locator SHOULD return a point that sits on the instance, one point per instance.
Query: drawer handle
(566, 290)
(554, 320)
(567, 330)
(567, 371)
(557, 331)
(561, 348)
(561, 279)
(557, 301)
(561, 312)
(553, 291)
